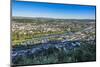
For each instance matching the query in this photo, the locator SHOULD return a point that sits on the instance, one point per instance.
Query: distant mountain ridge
(52, 19)
(20, 17)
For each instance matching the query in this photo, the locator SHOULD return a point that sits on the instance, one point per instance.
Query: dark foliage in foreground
(83, 53)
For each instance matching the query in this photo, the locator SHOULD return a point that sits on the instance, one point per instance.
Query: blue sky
(37, 9)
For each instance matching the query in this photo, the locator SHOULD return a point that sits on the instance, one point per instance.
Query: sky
(48, 10)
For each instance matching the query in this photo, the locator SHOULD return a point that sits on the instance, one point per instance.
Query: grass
(20, 38)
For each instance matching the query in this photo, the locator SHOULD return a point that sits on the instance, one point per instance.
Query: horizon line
(53, 17)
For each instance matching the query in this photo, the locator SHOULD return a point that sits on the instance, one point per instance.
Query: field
(50, 40)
